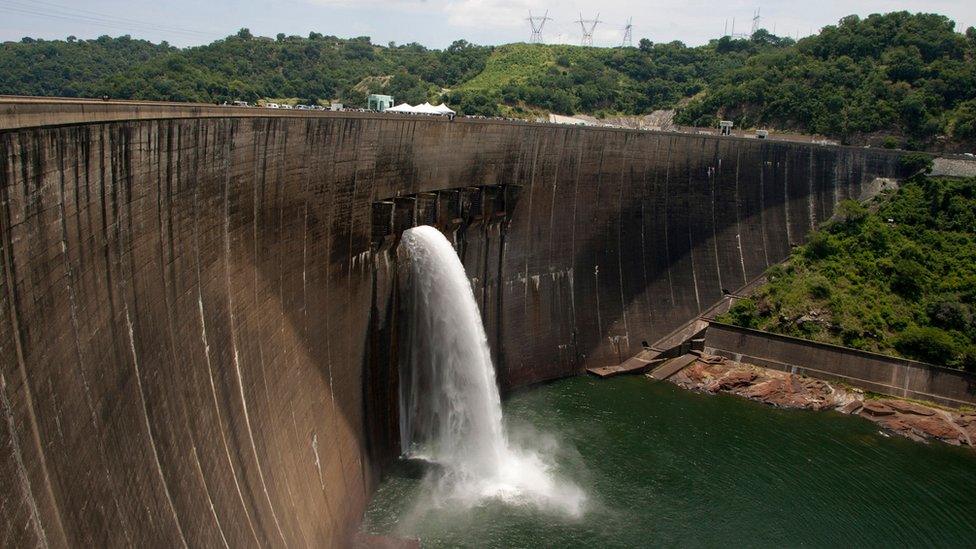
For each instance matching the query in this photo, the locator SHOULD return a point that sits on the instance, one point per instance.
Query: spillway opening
(449, 405)
(475, 221)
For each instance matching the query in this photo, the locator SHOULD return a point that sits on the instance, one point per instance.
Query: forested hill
(897, 79)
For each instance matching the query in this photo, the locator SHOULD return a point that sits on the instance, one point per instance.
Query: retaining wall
(883, 374)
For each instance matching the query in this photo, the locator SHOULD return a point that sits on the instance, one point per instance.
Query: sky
(437, 23)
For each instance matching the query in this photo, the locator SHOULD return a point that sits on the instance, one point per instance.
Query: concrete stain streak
(738, 218)
(237, 360)
(16, 335)
(210, 376)
(667, 249)
(210, 503)
(620, 254)
(149, 430)
(786, 201)
(27, 493)
(718, 263)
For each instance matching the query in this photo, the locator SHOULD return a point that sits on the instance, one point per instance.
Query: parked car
(272, 106)
(286, 106)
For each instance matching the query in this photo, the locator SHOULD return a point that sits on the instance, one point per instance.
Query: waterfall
(450, 410)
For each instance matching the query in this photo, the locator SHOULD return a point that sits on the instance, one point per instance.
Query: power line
(60, 12)
(152, 24)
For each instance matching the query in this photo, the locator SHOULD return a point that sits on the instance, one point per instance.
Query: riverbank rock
(917, 421)
(922, 427)
(968, 424)
(876, 408)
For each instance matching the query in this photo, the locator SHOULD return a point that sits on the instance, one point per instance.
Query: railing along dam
(193, 297)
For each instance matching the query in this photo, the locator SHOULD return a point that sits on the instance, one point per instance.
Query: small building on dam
(199, 310)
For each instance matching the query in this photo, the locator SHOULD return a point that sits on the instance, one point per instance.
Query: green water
(666, 467)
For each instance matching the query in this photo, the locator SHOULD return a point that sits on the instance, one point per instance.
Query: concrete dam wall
(197, 343)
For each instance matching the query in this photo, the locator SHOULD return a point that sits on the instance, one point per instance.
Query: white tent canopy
(402, 107)
(425, 108)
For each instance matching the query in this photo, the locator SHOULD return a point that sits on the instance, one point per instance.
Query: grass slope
(512, 63)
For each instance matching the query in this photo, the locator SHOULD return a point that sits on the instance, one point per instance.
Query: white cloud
(499, 14)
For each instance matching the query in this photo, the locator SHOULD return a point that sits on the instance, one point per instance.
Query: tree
(927, 344)
(915, 163)
(964, 120)
(908, 77)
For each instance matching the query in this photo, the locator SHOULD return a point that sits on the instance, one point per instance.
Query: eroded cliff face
(187, 304)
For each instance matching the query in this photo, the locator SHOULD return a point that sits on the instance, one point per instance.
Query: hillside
(897, 277)
(895, 80)
(908, 77)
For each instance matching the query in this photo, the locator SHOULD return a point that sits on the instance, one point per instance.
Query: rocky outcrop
(913, 420)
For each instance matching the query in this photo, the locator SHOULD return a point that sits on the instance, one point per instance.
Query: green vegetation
(896, 276)
(908, 75)
(239, 67)
(895, 80)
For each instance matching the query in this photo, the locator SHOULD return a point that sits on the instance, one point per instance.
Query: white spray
(450, 410)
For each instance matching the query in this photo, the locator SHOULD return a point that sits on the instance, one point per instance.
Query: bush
(821, 245)
(851, 213)
(908, 278)
(744, 313)
(819, 287)
(916, 163)
(968, 361)
(927, 344)
(949, 314)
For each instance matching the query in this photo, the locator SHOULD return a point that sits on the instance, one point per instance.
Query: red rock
(934, 426)
(850, 407)
(736, 378)
(877, 408)
(764, 390)
(906, 407)
(896, 425)
(967, 422)
(695, 373)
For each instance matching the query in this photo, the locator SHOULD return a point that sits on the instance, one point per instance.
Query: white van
(272, 106)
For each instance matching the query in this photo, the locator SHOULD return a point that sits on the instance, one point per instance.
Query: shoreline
(917, 421)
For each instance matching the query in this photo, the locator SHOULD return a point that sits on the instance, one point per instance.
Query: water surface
(663, 466)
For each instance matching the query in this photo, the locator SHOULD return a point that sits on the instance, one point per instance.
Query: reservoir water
(663, 466)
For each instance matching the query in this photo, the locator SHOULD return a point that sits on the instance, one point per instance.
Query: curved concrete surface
(185, 342)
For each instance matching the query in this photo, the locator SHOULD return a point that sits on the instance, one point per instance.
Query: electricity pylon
(537, 23)
(628, 41)
(588, 32)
